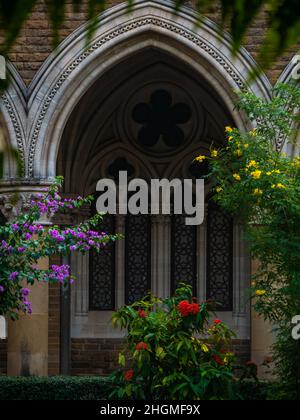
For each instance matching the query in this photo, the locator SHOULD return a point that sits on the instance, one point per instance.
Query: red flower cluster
(185, 308)
(218, 359)
(217, 321)
(128, 375)
(142, 313)
(141, 346)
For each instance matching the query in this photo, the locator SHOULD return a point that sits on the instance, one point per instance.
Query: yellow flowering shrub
(267, 200)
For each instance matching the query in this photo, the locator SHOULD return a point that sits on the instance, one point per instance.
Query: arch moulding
(67, 74)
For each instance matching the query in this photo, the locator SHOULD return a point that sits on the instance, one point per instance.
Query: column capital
(16, 198)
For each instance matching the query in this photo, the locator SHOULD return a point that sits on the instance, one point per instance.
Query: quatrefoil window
(161, 121)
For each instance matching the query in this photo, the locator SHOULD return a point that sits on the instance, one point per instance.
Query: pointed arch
(69, 72)
(14, 116)
(291, 74)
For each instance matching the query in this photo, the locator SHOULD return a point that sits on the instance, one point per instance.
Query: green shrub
(98, 388)
(259, 185)
(167, 359)
(54, 388)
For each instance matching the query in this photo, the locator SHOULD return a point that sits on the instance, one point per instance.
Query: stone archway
(13, 115)
(65, 79)
(66, 76)
(290, 75)
(102, 130)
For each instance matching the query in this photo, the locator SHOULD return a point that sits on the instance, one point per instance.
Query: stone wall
(35, 43)
(3, 357)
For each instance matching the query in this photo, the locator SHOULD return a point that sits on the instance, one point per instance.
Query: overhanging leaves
(284, 20)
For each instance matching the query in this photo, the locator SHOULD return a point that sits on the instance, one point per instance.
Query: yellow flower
(252, 164)
(277, 171)
(260, 292)
(256, 174)
(239, 153)
(279, 185)
(269, 173)
(230, 138)
(200, 158)
(214, 153)
(246, 146)
(253, 132)
(204, 348)
(228, 129)
(258, 191)
(237, 177)
(219, 189)
(228, 357)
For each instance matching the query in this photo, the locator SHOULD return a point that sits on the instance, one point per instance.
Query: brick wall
(54, 326)
(35, 43)
(3, 357)
(94, 356)
(242, 349)
(100, 356)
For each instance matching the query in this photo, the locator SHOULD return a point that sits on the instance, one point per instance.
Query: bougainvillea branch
(25, 241)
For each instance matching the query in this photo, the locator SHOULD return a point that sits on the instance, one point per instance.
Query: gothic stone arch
(67, 74)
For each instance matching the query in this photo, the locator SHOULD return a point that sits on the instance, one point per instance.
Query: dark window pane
(184, 253)
(102, 272)
(219, 257)
(138, 257)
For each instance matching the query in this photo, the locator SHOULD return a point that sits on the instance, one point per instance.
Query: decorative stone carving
(13, 204)
(146, 17)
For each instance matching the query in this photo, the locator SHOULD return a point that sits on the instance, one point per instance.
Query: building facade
(148, 93)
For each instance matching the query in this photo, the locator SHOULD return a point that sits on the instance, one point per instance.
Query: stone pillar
(202, 257)
(261, 337)
(161, 255)
(120, 261)
(27, 347)
(241, 282)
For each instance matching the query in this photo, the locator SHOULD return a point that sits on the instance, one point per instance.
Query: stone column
(27, 352)
(161, 255)
(261, 337)
(241, 282)
(120, 261)
(202, 257)
(27, 348)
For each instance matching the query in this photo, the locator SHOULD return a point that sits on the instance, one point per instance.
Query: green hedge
(54, 388)
(94, 388)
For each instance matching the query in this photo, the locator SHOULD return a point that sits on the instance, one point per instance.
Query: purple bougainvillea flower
(25, 291)
(2, 290)
(13, 275)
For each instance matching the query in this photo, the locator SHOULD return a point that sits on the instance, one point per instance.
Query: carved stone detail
(191, 36)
